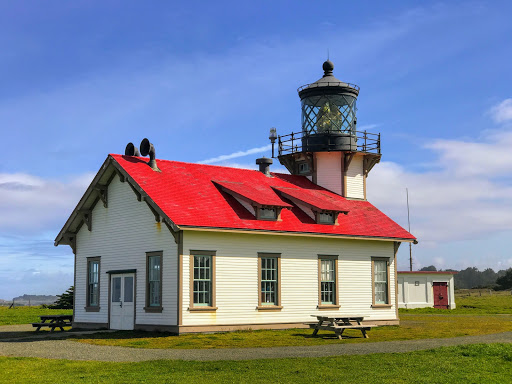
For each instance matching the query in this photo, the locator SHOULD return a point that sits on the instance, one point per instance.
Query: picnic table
(338, 324)
(54, 321)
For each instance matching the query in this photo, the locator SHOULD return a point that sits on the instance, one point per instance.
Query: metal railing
(358, 141)
(329, 84)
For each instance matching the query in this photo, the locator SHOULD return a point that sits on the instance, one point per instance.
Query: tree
(430, 268)
(505, 281)
(65, 301)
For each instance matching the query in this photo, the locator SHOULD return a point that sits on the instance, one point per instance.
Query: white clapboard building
(181, 247)
(421, 289)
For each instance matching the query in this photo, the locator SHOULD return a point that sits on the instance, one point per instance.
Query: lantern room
(328, 113)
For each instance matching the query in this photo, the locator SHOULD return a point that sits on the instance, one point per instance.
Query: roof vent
(264, 163)
(131, 150)
(146, 148)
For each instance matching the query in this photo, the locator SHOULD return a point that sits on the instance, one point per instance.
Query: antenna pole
(409, 224)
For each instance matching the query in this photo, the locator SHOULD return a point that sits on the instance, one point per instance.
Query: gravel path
(44, 347)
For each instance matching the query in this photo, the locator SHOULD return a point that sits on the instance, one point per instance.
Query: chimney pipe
(264, 163)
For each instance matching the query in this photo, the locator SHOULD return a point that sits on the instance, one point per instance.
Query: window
(303, 168)
(269, 271)
(325, 218)
(380, 278)
(267, 214)
(93, 284)
(153, 282)
(328, 282)
(202, 278)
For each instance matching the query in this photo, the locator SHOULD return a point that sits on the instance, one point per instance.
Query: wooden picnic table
(338, 324)
(54, 321)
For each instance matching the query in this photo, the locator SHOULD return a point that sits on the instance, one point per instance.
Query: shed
(421, 289)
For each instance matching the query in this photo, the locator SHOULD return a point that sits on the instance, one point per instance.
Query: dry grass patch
(421, 326)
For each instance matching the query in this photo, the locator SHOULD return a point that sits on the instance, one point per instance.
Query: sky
(206, 81)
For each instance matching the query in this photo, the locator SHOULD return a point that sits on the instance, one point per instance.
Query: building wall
(237, 277)
(328, 171)
(355, 178)
(121, 235)
(411, 295)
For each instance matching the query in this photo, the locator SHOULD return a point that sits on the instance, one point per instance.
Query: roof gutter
(287, 233)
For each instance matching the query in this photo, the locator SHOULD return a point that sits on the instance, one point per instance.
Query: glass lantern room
(328, 113)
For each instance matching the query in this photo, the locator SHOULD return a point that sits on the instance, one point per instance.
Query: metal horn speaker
(146, 148)
(131, 150)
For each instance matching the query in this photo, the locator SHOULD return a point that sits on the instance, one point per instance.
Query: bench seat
(51, 325)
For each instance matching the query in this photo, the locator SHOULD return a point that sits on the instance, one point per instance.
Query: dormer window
(325, 218)
(267, 214)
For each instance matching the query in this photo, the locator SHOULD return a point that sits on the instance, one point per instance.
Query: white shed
(420, 289)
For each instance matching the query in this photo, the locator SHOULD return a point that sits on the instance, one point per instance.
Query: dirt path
(44, 347)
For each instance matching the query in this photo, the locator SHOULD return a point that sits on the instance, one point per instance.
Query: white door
(122, 310)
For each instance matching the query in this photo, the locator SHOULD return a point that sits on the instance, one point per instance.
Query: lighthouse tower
(330, 150)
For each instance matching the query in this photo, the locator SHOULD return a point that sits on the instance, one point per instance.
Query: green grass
(497, 303)
(27, 315)
(419, 326)
(482, 363)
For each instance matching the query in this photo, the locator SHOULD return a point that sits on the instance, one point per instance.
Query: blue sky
(205, 81)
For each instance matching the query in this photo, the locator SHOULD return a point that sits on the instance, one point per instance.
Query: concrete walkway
(52, 348)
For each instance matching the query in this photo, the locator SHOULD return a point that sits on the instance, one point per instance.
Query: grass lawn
(474, 302)
(482, 363)
(27, 315)
(475, 315)
(419, 326)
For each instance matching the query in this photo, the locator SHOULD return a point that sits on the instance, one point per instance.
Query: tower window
(303, 168)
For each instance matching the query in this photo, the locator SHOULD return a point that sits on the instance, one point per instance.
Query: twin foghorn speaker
(146, 148)
(131, 150)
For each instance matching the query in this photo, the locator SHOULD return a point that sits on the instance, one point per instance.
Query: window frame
(88, 307)
(335, 216)
(149, 307)
(336, 304)
(272, 307)
(388, 264)
(203, 308)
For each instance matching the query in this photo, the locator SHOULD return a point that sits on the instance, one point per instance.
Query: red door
(441, 295)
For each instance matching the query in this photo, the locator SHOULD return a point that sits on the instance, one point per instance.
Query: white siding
(355, 181)
(237, 277)
(328, 171)
(121, 235)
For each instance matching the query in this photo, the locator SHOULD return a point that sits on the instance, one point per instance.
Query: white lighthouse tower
(329, 150)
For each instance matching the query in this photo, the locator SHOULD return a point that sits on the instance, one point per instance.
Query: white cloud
(502, 112)
(490, 156)
(31, 204)
(236, 154)
(467, 195)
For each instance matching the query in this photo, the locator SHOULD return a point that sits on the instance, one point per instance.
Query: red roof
(260, 194)
(187, 193)
(322, 200)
